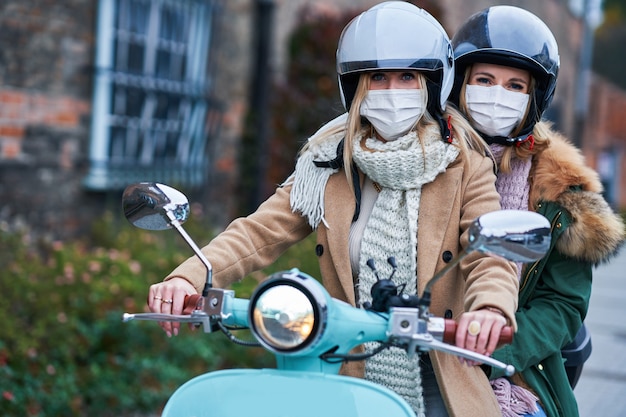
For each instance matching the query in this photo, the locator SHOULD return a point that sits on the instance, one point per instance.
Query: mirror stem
(209, 276)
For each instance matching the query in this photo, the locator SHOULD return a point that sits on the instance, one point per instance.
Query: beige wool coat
(448, 206)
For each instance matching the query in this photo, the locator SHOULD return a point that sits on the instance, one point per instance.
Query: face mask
(495, 110)
(393, 112)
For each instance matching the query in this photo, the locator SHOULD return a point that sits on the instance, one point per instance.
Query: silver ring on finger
(168, 301)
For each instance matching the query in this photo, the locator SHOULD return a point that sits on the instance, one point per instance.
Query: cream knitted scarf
(400, 168)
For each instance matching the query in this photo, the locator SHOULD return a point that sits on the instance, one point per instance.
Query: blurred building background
(209, 96)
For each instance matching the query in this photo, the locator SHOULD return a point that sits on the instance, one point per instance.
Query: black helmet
(513, 37)
(396, 35)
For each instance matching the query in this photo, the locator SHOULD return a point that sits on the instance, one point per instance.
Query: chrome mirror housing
(154, 206)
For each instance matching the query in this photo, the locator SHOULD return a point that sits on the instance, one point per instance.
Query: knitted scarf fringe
(309, 181)
(514, 400)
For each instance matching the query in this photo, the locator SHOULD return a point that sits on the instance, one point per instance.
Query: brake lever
(425, 342)
(197, 317)
(413, 333)
(197, 309)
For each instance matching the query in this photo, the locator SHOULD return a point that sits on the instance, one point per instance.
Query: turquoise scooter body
(303, 386)
(277, 393)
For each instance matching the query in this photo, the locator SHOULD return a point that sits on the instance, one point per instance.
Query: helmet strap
(506, 141)
(446, 129)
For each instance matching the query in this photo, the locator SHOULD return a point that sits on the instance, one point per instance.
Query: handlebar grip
(449, 333)
(191, 301)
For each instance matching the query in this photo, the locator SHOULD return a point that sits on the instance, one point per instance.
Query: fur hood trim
(596, 232)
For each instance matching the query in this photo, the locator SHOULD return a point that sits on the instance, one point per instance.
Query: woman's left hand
(479, 332)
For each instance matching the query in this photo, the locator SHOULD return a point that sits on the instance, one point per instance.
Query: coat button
(446, 256)
(319, 250)
(540, 367)
(447, 314)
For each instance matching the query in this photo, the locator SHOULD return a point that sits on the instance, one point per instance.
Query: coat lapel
(339, 211)
(436, 203)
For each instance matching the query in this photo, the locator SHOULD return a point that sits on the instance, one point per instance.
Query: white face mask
(495, 110)
(393, 112)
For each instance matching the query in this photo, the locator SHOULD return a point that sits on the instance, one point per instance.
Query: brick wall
(605, 133)
(46, 74)
(42, 160)
(21, 109)
(46, 52)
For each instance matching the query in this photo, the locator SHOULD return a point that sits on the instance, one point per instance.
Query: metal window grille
(152, 115)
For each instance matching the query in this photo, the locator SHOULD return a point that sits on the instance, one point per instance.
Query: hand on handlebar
(479, 332)
(168, 297)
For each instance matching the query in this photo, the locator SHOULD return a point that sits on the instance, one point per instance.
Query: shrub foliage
(64, 350)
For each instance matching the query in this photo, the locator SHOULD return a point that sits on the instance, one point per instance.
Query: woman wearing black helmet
(506, 69)
(384, 181)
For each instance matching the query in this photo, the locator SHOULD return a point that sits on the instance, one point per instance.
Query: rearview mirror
(154, 206)
(516, 235)
(519, 236)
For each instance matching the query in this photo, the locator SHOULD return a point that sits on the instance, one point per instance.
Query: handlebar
(406, 329)
(449, 332)
(448, 335)
(191, 303)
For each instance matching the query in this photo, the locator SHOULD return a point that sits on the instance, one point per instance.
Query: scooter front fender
(275, 393)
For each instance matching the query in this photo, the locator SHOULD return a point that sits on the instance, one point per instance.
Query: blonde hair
(522, 150)
(355, 128)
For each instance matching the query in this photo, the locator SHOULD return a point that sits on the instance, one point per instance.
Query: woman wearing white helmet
(401, 176)
(507, 64)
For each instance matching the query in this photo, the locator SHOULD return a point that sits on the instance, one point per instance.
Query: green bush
(64, 350)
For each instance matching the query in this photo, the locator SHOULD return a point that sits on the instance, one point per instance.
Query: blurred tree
(309, 96)
(610, 38)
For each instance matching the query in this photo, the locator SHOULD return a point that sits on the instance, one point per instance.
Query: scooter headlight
(287, 312)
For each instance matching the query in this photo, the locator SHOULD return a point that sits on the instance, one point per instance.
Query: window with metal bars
(152, 113)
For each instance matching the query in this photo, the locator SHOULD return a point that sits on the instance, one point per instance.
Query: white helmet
(396, 35)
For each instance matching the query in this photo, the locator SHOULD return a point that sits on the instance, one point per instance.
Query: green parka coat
(554, 292)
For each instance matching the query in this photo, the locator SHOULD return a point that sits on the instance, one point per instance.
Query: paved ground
(601, 390)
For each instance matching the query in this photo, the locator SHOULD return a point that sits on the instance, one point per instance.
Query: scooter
(311, 334)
